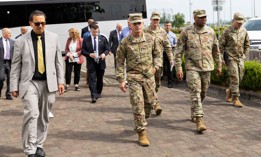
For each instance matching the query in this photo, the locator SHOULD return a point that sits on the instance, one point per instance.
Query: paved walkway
(104, 129)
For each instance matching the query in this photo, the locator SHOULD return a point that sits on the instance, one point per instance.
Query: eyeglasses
(39, 23)
(137, 23)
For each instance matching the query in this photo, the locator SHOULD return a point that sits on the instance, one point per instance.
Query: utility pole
(217, 6)
(218, 22)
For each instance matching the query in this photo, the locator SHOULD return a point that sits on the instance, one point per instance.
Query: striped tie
(40, 55)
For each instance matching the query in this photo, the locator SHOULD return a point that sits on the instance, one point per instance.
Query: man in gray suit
(6, 53)
(36, 74)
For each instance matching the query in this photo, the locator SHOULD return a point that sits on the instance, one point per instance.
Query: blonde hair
(75, 32)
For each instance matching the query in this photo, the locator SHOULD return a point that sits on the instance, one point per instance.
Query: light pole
(190, 4)
(231, 9)
(254, 8)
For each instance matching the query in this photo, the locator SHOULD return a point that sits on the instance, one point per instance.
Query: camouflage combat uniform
(161, 34)
(201, 49)
(142, 56)
(236, 45)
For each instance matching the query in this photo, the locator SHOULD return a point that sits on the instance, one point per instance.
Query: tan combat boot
(143, 140)
(157, 109)
(237, 103)
(228, 95)
(200, 124)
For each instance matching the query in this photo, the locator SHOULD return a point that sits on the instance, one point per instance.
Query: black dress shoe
(94, 100)
(32, 155)
(40, 152)
(169, 85)
(9, 98)
(77, 89)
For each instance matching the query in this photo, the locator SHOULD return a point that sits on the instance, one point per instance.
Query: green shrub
(251, 79)
(221, 28)
(176, 30)
(221, 80)
(252, 76)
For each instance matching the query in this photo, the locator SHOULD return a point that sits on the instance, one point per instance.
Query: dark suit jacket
(87, 48)
(113, 41)
(2, 51)
(84, 30)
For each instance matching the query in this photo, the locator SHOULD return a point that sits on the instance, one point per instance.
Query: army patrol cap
(239, 18)
(199, 13)
(155, 15)
(135, 18)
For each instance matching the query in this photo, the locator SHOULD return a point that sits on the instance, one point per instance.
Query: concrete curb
(246, 95)
(220, 91)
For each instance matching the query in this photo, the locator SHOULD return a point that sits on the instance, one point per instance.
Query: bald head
(6, 33)
(90, 21)
(119, 26)
(23, 30)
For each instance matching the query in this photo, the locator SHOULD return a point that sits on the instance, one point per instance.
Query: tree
(166, 17)
(179, 20)
(163, 17)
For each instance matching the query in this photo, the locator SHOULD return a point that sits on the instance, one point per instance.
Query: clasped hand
(93, 55)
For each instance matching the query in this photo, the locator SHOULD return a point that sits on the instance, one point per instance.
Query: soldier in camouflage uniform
(143, 59)
(200, 45)
(155, 30)
(235, 43)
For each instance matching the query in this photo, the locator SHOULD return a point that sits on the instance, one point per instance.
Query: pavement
(104, 129)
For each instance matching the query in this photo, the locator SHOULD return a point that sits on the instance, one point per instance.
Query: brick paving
(104, 129)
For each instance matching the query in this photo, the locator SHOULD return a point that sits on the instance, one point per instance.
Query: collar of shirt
(138, 39)
(4, 40)
(34, 35)
(199, 30)
(119, 32)
(93, 37)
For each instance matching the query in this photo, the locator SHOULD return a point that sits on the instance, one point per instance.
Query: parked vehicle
(253, 27)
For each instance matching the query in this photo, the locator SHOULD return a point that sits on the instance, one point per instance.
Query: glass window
(15, 14)
(253, 25)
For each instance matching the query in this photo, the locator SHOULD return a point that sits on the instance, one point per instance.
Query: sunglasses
(137, 23)
(203, 17)
(39, 23)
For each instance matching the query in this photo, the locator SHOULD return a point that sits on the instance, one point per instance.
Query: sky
(246, 7)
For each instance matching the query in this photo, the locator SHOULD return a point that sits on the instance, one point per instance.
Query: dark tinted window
(14, 15)
(253, 25)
